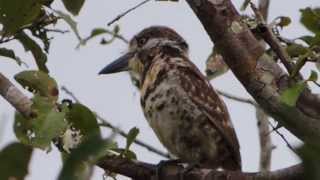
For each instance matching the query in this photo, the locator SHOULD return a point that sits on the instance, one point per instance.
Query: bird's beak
(121, 64)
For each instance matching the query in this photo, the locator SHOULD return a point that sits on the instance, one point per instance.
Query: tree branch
(266, 146)
(143, 171)
(236, 98)
(264, 8)
(263, 79)
(15, 97)
(266, 33)
(126, 12)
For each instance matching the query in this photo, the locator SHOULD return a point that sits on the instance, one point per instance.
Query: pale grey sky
(117, 100)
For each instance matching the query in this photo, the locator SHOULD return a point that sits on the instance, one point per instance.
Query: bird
(179, 103)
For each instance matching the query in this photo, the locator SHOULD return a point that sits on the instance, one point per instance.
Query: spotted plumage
(179, 103)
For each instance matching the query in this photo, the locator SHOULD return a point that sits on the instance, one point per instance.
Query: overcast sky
(117, 100)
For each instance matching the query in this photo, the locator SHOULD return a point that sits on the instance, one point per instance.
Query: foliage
(73, 127)
(78, 165)
(14, 161)
(46, 124)
(311, 161)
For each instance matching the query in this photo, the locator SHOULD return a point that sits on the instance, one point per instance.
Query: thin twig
(57, 30)
(126, 12)
(105, 123)
(275, 129)
(236, 98)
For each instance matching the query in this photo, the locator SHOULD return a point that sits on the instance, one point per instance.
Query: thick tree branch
(264, 8)
(142, 171)
(263, 79)
(15, 97)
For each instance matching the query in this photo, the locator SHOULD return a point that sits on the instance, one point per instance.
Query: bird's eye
(142, 41)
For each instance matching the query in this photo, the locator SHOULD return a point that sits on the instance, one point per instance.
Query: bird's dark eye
(142, 41)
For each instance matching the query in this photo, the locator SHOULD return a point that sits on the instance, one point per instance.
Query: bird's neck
(158, 58)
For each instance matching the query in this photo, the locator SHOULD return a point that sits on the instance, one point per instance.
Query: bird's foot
(164, 163)
(187, 169)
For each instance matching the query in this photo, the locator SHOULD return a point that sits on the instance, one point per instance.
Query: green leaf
(311, 40)
(16, 13)
(9, 53)
(73, 24)
(307, 39)
(78, 165)
(73, 6)
(99, 31)
(313, 76)
(291, 95)
(125, 153)
(82, 118)
(132, 135)
(47, 123)
(30, 45)
(310, 156)
(14, 161)
(284, 21)
(295, 50)
(82, 124)
(40, 82)
(310, 18)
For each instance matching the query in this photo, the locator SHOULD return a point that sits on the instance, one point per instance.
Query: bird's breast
(178, 123)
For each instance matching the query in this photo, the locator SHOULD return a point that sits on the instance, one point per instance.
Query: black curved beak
(121, 64)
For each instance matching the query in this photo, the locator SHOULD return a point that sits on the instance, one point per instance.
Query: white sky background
(117, 100)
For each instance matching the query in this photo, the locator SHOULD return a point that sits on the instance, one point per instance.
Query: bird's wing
(202, 93)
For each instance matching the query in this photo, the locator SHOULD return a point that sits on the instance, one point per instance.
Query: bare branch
(143, 171)
(105, 123)
(276, 129)
(126, 12)
(265, 140)
(264, 8)
(15, 97)
(266, 146)
(236, 98)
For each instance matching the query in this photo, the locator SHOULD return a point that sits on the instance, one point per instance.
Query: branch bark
(266, 146)
(263, 79)
(15, 97)
(143, 171)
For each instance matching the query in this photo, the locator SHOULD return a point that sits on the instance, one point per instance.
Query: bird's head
(143, 47)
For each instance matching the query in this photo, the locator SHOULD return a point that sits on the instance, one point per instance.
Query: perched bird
(181, 106)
